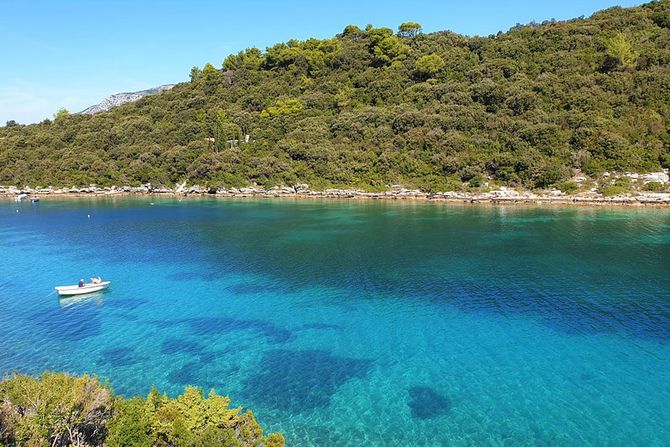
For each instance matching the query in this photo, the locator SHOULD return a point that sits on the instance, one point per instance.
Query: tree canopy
(409, 29)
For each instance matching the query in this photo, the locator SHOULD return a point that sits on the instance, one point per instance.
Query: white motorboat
(20, 197)
(86, 288)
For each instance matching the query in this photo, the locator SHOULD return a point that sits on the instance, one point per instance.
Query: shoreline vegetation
(58, 409)
(499, 195)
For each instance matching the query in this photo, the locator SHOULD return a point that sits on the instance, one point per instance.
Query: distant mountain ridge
(124, 98)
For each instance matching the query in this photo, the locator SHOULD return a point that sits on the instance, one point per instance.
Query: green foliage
(225, 131)
(550, 173)
(131, 425)
(409, 29)
(59, 409)
(476, 181)
(192, 419)
(654, 187)
(250, 59)
(622, 182)
(662, 19)
(196, 74)
(620, 186)
(283, 107)
(567, 187)
(210, 74)
(385, 47)
(352, 31)
(370, 109)
(429, 65)
(61, 113)
(56, 409)
(620, 51)
(664, 159)
(613, 190)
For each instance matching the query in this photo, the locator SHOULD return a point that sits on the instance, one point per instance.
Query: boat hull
(87, 288)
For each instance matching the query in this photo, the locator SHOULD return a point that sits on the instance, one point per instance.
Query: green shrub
(654, 187)
(429, 65)
(613, 190)
(60, 409)
(662, 19)
(664, 159)
(567, 187)
(623, 182)
(131, 425)
(476, 181)
(550, 174)
(54, 409)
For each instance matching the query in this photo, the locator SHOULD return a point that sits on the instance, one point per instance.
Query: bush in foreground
(58, 409)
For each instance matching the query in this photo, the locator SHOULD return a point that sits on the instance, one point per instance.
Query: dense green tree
(131, 425)
(385, 47)
(283, 107)
(209, 73)
(352, 31)
(662, 19)
(61, 113)
(409, 29)
(620, 51)
(55, 409)
(429, 65)
(196, 73)
(251, 59)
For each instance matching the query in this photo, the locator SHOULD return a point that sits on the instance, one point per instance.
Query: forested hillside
(372, 107)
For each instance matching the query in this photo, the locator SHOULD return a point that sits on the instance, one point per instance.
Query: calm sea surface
(357, 323)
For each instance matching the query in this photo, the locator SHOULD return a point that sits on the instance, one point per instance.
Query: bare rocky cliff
(124, 98)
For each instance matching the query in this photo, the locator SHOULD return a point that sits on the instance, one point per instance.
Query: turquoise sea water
(357, 323)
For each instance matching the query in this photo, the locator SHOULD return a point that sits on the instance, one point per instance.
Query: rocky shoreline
(502, 195)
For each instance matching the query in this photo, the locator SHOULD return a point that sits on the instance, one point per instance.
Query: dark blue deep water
(357, 323)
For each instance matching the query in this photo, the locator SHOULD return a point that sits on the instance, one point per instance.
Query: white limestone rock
(124, 98)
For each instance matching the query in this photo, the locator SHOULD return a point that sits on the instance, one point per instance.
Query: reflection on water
(95, 298)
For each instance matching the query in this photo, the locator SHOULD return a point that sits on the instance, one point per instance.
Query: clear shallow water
(358, 323)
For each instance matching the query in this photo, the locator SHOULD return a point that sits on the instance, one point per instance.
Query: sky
(74, 53)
